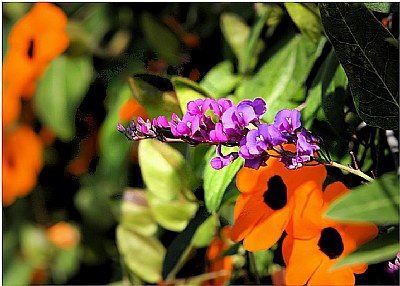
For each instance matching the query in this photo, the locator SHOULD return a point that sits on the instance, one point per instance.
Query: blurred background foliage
(108, 211)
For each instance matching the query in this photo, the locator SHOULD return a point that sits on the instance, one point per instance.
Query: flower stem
(351, 170)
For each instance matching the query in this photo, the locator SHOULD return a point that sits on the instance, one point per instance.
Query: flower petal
(323, 276)
(306, 218)
(302, 258)
(268, 231)
(251, 213)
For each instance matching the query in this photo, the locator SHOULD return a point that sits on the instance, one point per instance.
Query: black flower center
(275, 196)
(331, 243)
(30, 49)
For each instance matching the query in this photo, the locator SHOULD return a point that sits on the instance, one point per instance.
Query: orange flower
(264, 208)
(131, 108)
(63, 235)
(22, 162)
(34, 41)
(309, 258)
(219, 263)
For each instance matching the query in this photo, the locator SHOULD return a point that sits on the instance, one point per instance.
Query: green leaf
(18, 273)
(181, 243)
(96, 21)
(383, 248)
(383, 7)
(142, 254)
(60, 91)
(278, 81)
(65, 264)
(205, 232)
(306, 19)
(187, 90)
(216, 181)
(172, 215)
(254, 44)
(114, 147)
(244, 41)
(164, 170)
(35, 245)
(237, 33)
(160, 38)
(220, 80)
(370, 61)
(159, 82)
(333, 100)
(377, 202)
(136, 213)
(327, 93)
(156, 101)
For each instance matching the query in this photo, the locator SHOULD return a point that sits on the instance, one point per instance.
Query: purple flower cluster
(220, 122)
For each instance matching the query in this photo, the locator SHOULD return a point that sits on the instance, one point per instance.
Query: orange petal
(324, 276)
(268, 231)
(306, 216)
(240, 203)
(359, 268)
(353, 235)
(334, 191)
(250, 215)
(247, 180)
(302, 258)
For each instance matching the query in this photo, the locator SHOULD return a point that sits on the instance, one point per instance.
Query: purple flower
(222, 161)
(121, 128)
(263, 138)
(217, 135)
(393, 268)
(185, 127)
(287, 121)
(161, 121)
(255, 163)
(145, 127)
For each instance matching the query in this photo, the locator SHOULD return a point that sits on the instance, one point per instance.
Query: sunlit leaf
(205, 232)
(60, 91)
(306, 19)
(377, 202)
(164, 170)
(370, 61)
(172, 215)
(236, 32)
(142, 254)
(187, 90)
(281, 77)
(243, 40)
(180, 244)
(383, 248)
(162, 40)
(220, 80)
(216, 181)
(136, 213)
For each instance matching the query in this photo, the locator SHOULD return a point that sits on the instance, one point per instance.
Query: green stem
(351, 170)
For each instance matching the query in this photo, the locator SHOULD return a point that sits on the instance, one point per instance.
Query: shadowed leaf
(370, 61)
(180, 244)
